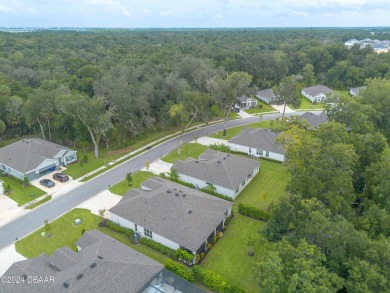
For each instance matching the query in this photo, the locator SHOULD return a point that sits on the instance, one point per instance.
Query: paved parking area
(7, 257)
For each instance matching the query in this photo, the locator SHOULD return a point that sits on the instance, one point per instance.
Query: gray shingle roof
(27, 154)
(218, 168)
(313, 119)
(317, 90)
(259, 138)
(268, 93)
(121, 269)
(179, 213)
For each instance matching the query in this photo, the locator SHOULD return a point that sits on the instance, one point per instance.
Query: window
(135, 227)
(250, 150)
(148, 233)
(259, 152)
(238, 188)
(267, 154)
(243, 182)
(3, 167)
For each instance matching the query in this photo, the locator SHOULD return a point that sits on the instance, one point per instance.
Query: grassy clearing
(307, 104)
(188, 150)
(122, 187)
(20, 194)
(231, 252)
(236, 130)
(64, 233)
(38, 203)
(261, 108)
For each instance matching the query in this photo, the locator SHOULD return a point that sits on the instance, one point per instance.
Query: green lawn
(188, 150)
(38, 203)
(236, 130)
(261, 108)
(20, 194)
(307, 104)
(229, 257)
(64, 233)
(122, 187)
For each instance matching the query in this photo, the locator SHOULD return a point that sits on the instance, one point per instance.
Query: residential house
(258, 142)
(317, 93)
(172, 214)
(379, 46)
(314, 119)
(268, 96)
(247, 102)
(102, 264)
(356, 91)
(34, 157)
(229, 174)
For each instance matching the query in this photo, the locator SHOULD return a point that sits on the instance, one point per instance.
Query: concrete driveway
(280, 109)
(9, 209)
(59, 188)
(205, 140)
(104, 200)
(158, 167)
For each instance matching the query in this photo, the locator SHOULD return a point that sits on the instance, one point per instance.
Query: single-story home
(34, 157)
(172, 214)
(314, 119)
(258, 142)
(229, 174)
(356, 91)
(268, 96)
(247, 102)
(102, 264)
(316, 93)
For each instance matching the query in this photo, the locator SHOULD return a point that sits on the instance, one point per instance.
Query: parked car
(47, 183)
(60, 177)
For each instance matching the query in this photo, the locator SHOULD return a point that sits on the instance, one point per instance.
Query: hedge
(214, 281)
(118, 228)
(159, 247)
(180, 270)
(216, 194)
(253, 212)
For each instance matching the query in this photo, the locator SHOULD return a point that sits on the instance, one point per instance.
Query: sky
(194, 13)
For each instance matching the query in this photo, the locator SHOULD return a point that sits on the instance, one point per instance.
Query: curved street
(31, 221)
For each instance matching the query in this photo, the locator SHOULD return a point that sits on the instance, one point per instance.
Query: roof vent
(224, 158)
(66, 285)
(196, 161)
(177, 194)
(220, 161)
(93, 265)
(24, 277)
(100, 257)
(228, 155)
(79, 276)
(190, 211)
(168, 191)
(183, 195)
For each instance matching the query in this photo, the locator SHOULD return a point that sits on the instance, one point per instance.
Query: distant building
(258, 142)
(379, 46)
(268, 96)
(228, 173)
(34, 157)
(102, 264)
(316, 93)
(314, 119)
(356, 91)
(172, 214)
(247, 102)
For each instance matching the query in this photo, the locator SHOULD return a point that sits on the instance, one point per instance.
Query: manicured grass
(188, 150)
(230, 133)
(229, 257)
(267, 186)
(307, 104)
(38, 203)
(20, 194)
(122, 187)
(64, 233)
(261, 108)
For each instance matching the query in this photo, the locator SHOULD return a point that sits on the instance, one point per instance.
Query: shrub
(220, 147)
(214, 281)
(253, 212)
(174, 175)
(186, 184)
(180, 270)
(184, 255)
(7, 189)
(123, 230)
(206, 190)
(159, 247)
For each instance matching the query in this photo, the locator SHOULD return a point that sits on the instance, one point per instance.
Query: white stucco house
(34, 157)
(356, 91)
(317, 93)
(172, 214)
(229, 174)
(267, 95)
(247, 102)
(258, 142)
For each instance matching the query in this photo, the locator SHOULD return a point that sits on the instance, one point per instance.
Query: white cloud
(6, 9)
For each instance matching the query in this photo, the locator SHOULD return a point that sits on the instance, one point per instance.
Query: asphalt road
(31, 221)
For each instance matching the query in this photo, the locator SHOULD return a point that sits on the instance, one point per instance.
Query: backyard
(231, 252)
(137, 178)
(20, 194)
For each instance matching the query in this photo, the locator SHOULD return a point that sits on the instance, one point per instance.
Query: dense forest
(331, 231)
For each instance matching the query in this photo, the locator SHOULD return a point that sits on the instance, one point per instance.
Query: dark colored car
(47, 183)
(60, 177)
